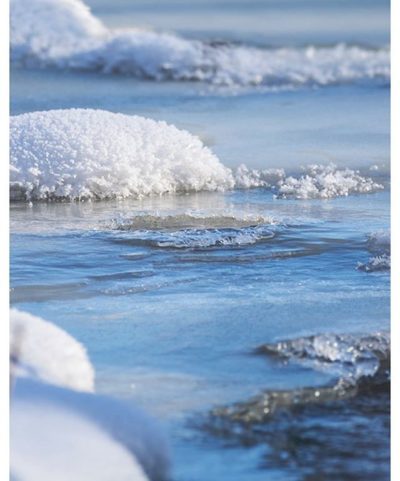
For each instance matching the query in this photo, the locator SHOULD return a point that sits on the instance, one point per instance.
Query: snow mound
(84, 154)
(64, 34)
(94, 154)
(50, 442)
(51, 29)
(102, 418)
(44, 351)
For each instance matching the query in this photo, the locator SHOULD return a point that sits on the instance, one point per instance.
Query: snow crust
(44, 351)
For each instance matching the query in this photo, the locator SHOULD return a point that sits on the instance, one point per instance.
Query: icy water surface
(171, 298)
(253, 322)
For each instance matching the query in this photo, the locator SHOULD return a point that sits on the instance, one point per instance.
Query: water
(171, 295)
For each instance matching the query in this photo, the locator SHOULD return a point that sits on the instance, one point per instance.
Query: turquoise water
(171, 312)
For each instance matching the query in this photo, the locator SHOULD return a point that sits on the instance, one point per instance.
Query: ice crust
(43, 351)
(84, 154)
(355, 355)
(64, 34)
(193, 230)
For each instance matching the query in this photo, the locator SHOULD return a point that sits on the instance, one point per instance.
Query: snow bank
(64, 34)
(94, 154)
(44, 351)
(62, 418)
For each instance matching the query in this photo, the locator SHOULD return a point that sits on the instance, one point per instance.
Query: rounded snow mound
(41, 350)
(94, 154)
(52, 29)
(49, 441)
(132, 430)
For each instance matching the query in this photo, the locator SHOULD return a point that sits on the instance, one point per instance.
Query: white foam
(94, 154)
(64, 34)
(325, 182)
(44, 351)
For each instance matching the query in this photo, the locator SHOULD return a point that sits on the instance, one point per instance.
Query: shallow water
(171, 295)
(172, 324)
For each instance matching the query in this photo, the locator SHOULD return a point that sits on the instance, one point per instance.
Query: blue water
(169, 320)
(173, 328)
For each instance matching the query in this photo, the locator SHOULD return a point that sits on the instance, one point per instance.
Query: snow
(64, 34)
(94, 154)
(46, 352)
